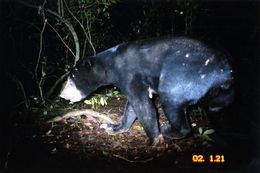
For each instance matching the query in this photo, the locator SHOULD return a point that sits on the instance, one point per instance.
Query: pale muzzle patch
(71, 92)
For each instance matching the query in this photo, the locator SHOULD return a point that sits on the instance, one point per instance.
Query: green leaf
(45, 113)
(88, 102)
(105, 153)
(200, 130)
(207, 138)
(95, 100)
(102, 101)
(208, 132)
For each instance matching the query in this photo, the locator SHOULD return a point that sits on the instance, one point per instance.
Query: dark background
(232, 25)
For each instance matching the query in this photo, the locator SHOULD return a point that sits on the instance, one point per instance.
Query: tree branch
(40, 50)
(62, 40)
(72, 30)
(21, 88)
(83, 29)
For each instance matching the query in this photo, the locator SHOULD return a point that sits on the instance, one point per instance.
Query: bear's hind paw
(112, 129)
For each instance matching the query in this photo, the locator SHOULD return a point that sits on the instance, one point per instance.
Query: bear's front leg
(136, 91)
(147, 116)
(127, 120)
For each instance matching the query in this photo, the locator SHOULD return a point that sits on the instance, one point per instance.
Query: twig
(7, 160)
(40, 50)
(21, 88)
(87, 112)
(61, 39)
(89, 36)
(60, 7)
(27, 5)
(133, 161)
(39, 83)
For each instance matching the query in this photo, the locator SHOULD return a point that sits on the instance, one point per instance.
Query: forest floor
(78, 144)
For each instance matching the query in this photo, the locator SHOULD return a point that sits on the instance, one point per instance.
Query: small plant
(101, 100)
(96, 101)
(113, 92)
(204, 134)
(199, 112)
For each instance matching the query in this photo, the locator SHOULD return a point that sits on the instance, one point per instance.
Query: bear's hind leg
(178, 126)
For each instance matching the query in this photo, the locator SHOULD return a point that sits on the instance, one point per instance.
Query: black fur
(182, 71)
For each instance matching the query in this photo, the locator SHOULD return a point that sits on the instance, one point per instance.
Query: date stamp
(198, 158)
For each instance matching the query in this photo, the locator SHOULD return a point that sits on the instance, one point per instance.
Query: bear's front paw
(107, 127)
(173, 133)
(158, 141)
(112, 129)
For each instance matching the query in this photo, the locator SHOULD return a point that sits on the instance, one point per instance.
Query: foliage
(197, 116)
(151, 16)
(68, 30)
(113, 92)
(96, 101)
(101, 100)
(198, 112)
(71, 22)
(204, 134)
(92, 18)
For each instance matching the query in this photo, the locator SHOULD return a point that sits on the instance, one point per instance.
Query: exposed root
(86, 112)
(133, 161)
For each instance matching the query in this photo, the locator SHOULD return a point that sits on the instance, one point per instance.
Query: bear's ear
(91, 62)
(97, 68)
(86, 63)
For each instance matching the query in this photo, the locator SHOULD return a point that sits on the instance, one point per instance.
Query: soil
(78, 144)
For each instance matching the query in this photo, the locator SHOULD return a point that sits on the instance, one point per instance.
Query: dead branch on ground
(86, 112)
